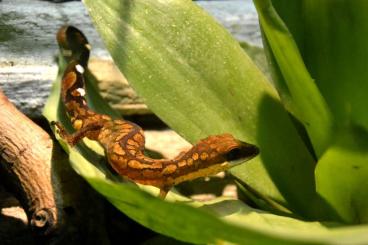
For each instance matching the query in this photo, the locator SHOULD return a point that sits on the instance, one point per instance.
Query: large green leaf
(178, 217)
(239, 223)
(342, 174)
(235, 222)
(221, 219)
(297, 88)
(332, 37)
(196, 77)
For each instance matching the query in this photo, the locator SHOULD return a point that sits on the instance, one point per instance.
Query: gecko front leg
(75, 137)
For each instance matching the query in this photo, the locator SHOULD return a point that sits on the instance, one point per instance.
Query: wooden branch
(25, 158)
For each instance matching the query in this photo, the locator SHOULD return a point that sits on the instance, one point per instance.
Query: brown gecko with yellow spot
(124, 141)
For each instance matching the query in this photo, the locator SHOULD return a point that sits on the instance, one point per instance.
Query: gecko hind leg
(75, 137)
(163, 192)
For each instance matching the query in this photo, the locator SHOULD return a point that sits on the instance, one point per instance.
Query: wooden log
(25, 154)
(38, 173)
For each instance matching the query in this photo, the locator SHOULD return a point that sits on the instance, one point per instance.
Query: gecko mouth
(241, 154)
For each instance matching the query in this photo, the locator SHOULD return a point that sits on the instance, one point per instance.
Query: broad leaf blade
(196, 77)
(87, 160)
(176, 219)
(342, 174)
(238, 223)
(332, 38)
(301, 95)
(223, 219)
(340, 69)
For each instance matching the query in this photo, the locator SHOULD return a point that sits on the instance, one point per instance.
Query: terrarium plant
(307, 186)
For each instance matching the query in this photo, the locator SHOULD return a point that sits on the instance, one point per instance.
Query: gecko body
(124, 142)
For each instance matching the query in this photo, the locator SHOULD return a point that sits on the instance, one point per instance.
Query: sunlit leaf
(178, 217)
(197, 78)
(331, 36)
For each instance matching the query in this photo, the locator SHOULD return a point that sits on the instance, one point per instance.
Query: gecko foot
(163, 192)
(61, 131)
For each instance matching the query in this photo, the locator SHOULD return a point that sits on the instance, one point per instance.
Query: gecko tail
(75, 48)
(73, 44)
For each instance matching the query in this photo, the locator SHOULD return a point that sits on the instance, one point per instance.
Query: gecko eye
(241, 154)
(234, 154)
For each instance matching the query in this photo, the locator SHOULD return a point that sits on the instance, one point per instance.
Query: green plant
(311, 129)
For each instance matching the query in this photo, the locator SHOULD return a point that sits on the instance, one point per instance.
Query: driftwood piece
(56, 200)
(25, 159)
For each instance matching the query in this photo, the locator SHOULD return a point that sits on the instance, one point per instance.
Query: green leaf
(203, 223)
(235, 222)
(332, 38)
(342, 174)
(146, 209)
(340, 69)
(197, 78)
(223, 219)
(297, 88)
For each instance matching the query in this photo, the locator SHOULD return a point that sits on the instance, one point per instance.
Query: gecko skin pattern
(124, 141)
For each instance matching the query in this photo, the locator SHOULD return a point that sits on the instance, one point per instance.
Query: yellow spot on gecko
(132, 142)
(182, 163)
(118, 150)
(78, 124)
(120, 137)
(169, 169)
(138, 137)
(204, 156)
(126, 126)
(195, 156)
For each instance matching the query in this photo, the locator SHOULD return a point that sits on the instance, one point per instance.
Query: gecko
(124, 142)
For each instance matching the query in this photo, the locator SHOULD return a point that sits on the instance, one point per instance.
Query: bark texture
(25, 155)
(56, 201)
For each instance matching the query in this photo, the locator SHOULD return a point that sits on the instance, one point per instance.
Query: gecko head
(230, 149)
(241, 153)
